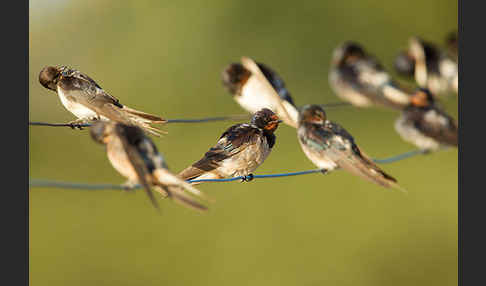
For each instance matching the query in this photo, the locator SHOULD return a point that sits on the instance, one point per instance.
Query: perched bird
(239, 151)
(255, 86)
(432, 68)
(357, 77)
(425, 125)
(83, 97)
(135, 157)
(329, 146)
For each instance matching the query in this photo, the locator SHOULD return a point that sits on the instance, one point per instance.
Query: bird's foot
(324, 171)
(76, 124)
(247, 178)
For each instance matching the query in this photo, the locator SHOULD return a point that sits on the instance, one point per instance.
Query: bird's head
(312, 114)
(100, 131)
(348, 52)
(265, 119)
(50, 76)
(234, 77)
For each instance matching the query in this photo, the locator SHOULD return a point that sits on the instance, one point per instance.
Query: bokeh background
(166, 57)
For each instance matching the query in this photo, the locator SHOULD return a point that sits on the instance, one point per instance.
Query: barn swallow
(431, 67)
(329, 146)
(425, 125)
(135, 157)
(255, 86)
(239, 151)
(360, 79)
(83, 97)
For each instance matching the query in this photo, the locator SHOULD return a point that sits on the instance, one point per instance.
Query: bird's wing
(348, 156)
(277, 83)
(369, 78)
(141, 162)
(438, 125)
(94, 94)
(266, 88)
(231, 142)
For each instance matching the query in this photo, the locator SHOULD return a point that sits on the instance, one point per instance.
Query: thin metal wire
(196, 120)
(258, 176)
(67, 185)
(40, 183)
(335, 104)
(58, 124)
(400, 156)
(210, 119)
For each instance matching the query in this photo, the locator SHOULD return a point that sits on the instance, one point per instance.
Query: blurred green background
(166, 58)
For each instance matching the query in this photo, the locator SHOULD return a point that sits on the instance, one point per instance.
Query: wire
(209, 119)
(401, 156)
(251, 177)
(58, 124)
(195, 120)
(40, 183)
(67, 185)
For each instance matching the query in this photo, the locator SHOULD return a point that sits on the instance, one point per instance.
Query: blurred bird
(425, 125)
(135, 157)
(83, 97)
(432, 68)
(255, 86)
(452, 44)
(239, 151)
(329, 146)
(360, 79)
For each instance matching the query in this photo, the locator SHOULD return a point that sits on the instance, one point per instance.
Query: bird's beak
(279, 121)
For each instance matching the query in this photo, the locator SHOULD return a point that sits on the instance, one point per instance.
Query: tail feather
(150, 129)
(174, 187)
(192, 173)
(125, 115)
(148, 118)
(368, 169)
(187, 201)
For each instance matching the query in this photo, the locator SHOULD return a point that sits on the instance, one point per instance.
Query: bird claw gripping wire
(247, 178)
(76, 125)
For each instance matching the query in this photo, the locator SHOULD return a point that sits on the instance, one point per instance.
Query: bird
(425, 125)
(84, 98)
(239, 151)
(329, 146)
(255, 86)
(136, 157)
(452, 44)
(433, 68)
(358, 77)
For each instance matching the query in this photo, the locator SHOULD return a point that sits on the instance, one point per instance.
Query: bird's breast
(69, 102)
(246, 161)
(119, 160)
(319, 158)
